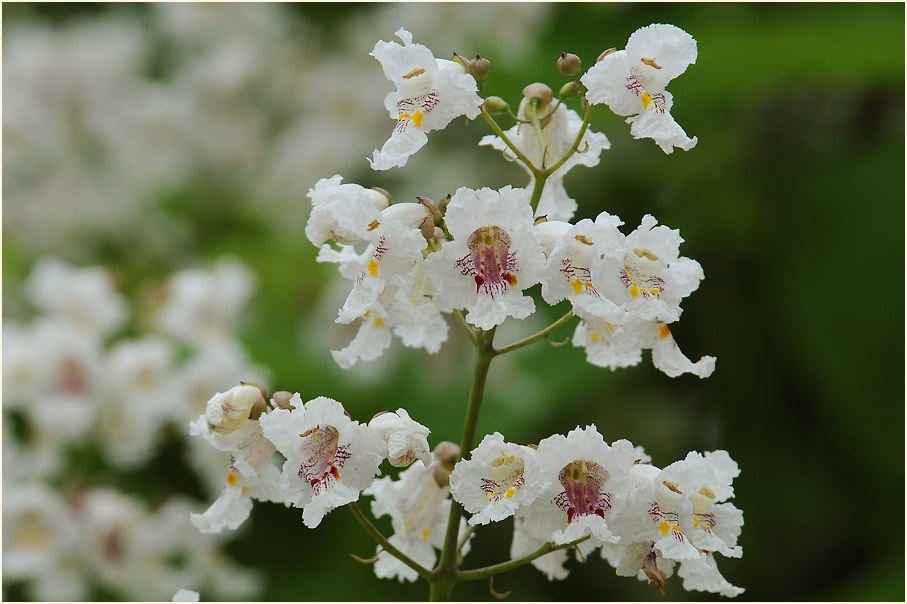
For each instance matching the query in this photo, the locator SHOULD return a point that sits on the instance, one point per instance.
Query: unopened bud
(444, 457)
(570, 90)
(479, 68)
(282, 398)
(495, 105)
(442, 205)
(569, 64)
(605, 54)
(461, 60)
(538, 91)
(413, 215)
(382, 202)
(227, 411)
(439, 234)
(432, 207)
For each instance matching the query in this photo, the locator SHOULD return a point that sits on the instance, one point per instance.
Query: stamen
(651, 63)
(419, 71)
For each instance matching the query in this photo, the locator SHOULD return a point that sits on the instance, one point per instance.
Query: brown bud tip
(569, 64)
(479, 68)
(538, 91)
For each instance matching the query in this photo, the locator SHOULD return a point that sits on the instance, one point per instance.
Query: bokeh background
(150, 139)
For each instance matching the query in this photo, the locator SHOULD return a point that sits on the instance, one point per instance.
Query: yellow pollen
(595, 338)
(577, 286)
(425, 533)
(232, 479)
(417, 118)
(245, 490)
(664, 527)
(510, 493)
(372, 267)
(664, 331)
(379, 322)
(646, 100)
(415, 72)
(634, 291)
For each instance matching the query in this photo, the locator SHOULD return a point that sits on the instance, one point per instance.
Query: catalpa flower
(430, 94)
(341, 212)
(495, 255)
(498, 478)
(611, 345)
(702, 574)
(585, 473)
(632, 82)
(330, 458)
(568, 273)
(406, 438)
(646, 276)
(419, 509)
(559, 131)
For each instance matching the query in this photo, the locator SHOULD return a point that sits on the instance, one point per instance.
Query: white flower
(552, 563)
(632, 82)
(559, 132)
(430, 94)
(646, 276)
(406, 438)
(585, 474)
(610, 345)
(702, 574)
(227, 411)
(410, 313)
(569, 274)
(419, 510)
(250, 475)
(330, 458)
(85, 297)
(498, 478)
(202, 306)
(341, 211)
(185, 595)
(495, 255)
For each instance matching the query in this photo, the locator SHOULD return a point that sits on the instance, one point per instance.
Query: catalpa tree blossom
(474, 259)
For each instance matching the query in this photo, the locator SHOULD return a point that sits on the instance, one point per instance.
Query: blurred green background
(792, 202)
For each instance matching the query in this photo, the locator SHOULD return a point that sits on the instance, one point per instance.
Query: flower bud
(538, 91)
(569, 64)
(406, 438)
(413, 215)
(570, 90)
(227, 411)
(432, 207)
(442, 205)
(282, 398)
(444, 457)
(479, 68)
(605, 54)
(439, 234)
(495, 105)
(461, 60)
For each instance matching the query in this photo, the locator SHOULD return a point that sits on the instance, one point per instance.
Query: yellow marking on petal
(372, 267)
(655, 291)
(419, 71)
(417, 118)
(245, 490)
(634, 291)
(664, 527)
(425, 533)
(588, 286)
(232, 479)
(427, 497)
(646, 100)
(409, 522)
(490, 496)
(403, 116)
(695, 522)
(510, 493)
(379, 322)
(595, 338)
(651, 63)
(420, 508)
(664, 331)
(675, 528)
(367, 314)
(577, 286)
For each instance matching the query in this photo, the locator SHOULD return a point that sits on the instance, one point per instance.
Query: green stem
(444, 577)
(495, 569)
(576, 142)
(462, 321)
(535, 337)
(388, 547)
(497, 130)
